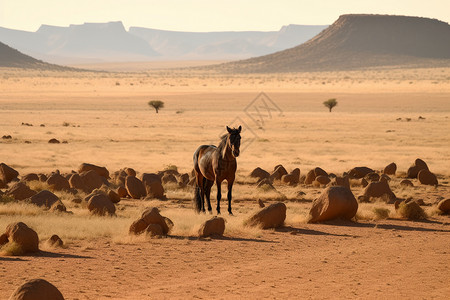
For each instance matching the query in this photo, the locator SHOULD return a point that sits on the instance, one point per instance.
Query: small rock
(272, 216)
(135, 187)
(322, 179)
(24, 236)
(138, 226)
(30, 177)
(259, 173)
(55, 241)
(406, 182)
(334, 202)
(44, 199)
(58, 182)
(320, 172)
(53, 141)
(278, 173)
(444, 206)
(113, 196)
(102, 171)
(310, 177)
(378, 189)
(100, 204)
(20, 191)
(154, 230)
(360, 172)
(372, 176)
(261, 203)
(426, 177)
(36, 289)
(169, 178)
(214, 226)
(414, 170)
(152, 216)
(390, 169)
(130, 172)
(7, 174)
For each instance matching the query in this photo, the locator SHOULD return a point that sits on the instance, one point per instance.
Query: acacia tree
(156, 104)
(330, 103)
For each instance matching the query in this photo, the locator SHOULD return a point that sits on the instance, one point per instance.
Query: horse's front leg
(230, 187)
(219, 195)
(208, 186)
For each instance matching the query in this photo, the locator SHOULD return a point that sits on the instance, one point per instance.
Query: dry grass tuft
(38, 185)
(381, 213)
(11, 249)
(6, 199)
(368, 211)
(411, 211)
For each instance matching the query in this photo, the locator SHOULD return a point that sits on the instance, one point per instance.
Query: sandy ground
(105, 120)
(385, 259)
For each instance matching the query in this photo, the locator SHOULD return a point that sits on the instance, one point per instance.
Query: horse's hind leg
(200, 184)
(208, 185)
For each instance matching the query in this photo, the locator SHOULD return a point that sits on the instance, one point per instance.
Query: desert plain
(383, 115)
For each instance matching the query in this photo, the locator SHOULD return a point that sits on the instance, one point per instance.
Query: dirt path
(384, 259)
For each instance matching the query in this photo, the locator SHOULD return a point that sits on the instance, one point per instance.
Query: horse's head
(234, 140)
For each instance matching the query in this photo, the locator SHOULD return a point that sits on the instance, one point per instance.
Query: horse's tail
(197, 198)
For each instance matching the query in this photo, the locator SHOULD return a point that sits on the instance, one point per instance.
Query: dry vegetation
(105, 119)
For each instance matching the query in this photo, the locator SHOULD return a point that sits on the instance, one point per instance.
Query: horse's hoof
(230, 213)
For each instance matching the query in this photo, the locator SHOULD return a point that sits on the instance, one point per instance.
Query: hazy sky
(206, 15)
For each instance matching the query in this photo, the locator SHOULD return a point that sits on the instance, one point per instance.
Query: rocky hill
(11, 58)
(360, 41)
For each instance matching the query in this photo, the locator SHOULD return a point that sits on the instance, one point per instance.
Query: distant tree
(330, 103)
(156, 104)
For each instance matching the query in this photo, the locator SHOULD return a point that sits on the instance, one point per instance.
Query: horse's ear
(240, 128)
(229, 129)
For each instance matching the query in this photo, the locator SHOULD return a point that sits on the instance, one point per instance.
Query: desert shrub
(6, 199)
(11, 249)
(172, 167)
(38, 185)
(381, 213)
(411, 211)
(266, 188)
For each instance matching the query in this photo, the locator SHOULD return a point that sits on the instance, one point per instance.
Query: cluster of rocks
(148, 185)
(279, 174)
(375, 186)
(152, 223)
(419, 169)
(25, 238)
(103, 191)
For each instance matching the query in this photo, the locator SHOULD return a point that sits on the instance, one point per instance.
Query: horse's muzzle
(235, 152)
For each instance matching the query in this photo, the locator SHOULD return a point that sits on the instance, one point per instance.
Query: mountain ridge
(102, 42)
(359, 41)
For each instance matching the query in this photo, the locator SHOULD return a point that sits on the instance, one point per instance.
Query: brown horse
(213, 165)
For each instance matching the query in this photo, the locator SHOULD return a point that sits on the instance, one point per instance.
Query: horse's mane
(223, 145)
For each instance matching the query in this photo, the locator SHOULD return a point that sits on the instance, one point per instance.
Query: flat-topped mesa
(360, 41)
